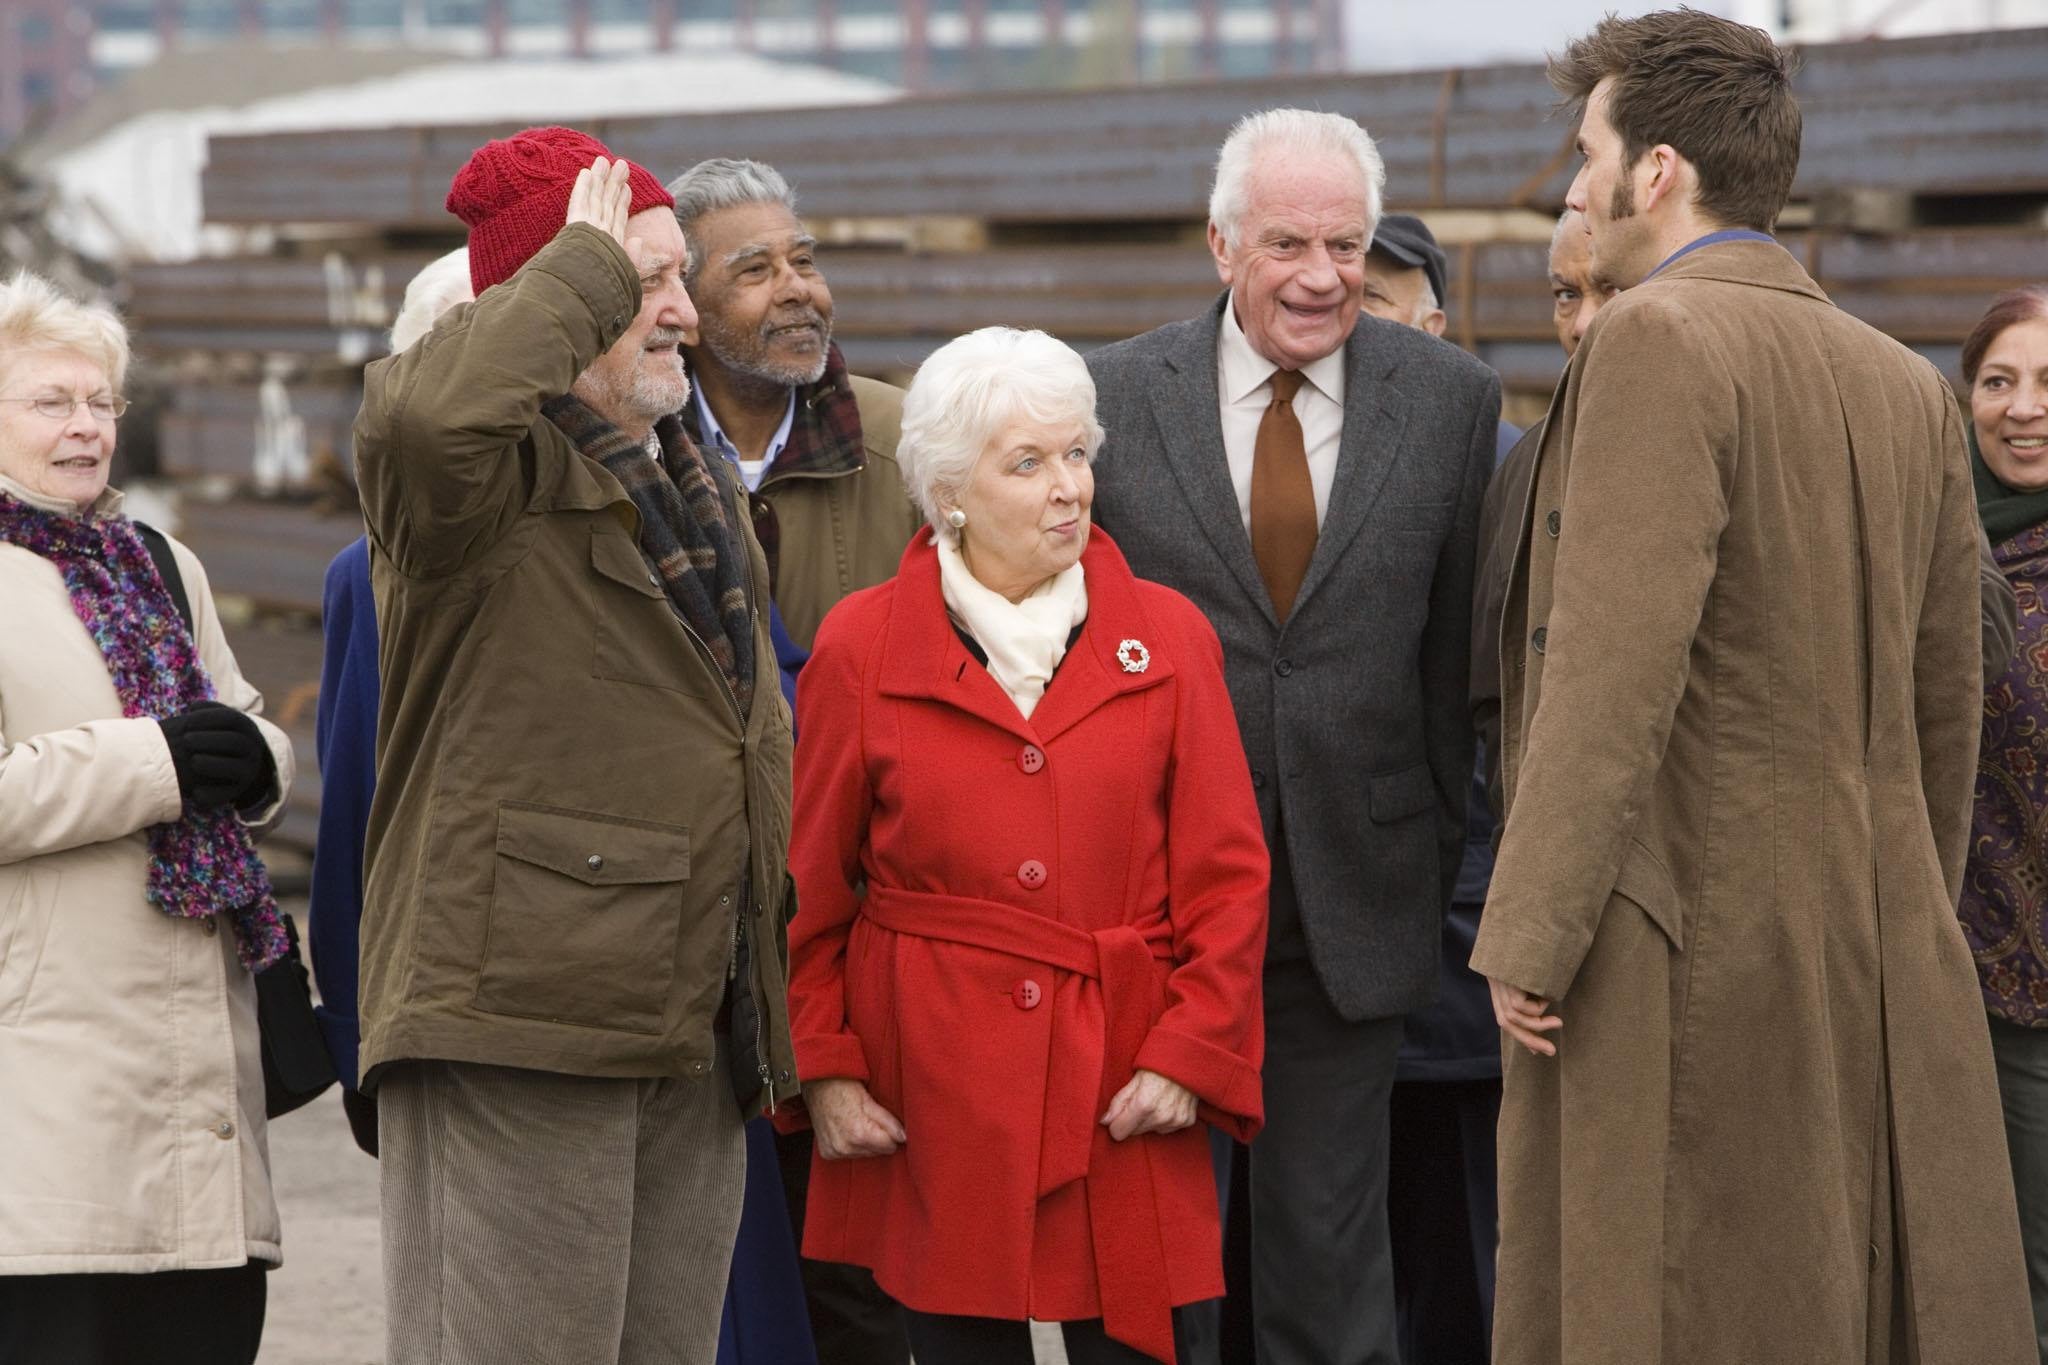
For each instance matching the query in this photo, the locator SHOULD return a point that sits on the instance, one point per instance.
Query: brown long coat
(1740, 707)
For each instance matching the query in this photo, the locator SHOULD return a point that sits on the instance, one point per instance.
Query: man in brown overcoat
(1750, 1115)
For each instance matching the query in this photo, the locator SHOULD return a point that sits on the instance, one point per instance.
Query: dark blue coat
(1456, 1039)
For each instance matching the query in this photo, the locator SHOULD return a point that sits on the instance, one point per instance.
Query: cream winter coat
(131, 1078)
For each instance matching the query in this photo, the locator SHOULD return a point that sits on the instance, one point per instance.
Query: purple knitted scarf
(203, 862)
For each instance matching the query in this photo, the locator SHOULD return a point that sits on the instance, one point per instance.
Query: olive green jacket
(833, 509)
(569, 809)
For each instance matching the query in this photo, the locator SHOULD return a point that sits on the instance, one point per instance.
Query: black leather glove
(220, 756)
(362, 1118)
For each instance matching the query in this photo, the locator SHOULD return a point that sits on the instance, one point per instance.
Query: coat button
(1026, 994)
(224, 1130)
(1283, 666)
(1031, 758)
(1541, 638)
(1032, 874)
(209, 926)
(1552, 522)
(653, 582)
(595, 862)
(1258, 778)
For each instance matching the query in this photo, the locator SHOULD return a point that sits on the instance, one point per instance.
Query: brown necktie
(1283, 499)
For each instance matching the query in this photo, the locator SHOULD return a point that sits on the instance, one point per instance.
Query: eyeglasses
(58, 407)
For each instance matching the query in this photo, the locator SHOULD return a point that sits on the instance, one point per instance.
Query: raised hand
(602, 198)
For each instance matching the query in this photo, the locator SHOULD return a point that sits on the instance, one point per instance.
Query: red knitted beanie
(514, 195)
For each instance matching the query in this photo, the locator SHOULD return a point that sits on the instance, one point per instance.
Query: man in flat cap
(571, 989)
(1404, 274)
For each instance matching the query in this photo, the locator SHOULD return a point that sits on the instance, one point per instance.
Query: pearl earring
(956, 518)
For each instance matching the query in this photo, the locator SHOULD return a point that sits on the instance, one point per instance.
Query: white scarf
(1024, 641)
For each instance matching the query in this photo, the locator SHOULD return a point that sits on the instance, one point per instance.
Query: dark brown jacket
(833, 512)
(568, 806)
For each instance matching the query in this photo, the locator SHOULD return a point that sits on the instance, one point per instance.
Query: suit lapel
(1375, 414)
(1185, 403)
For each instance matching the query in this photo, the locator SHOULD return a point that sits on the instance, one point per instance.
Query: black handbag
(296, 1067)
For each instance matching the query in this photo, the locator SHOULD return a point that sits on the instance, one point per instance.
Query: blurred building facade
(52, 54)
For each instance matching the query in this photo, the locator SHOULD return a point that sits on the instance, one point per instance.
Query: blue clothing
(765, 1321)
(345, 739)
(1475, 873)
(1456, 1039)
(1713, 239)
(791, 656)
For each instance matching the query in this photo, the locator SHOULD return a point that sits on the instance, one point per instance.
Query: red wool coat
(1050, 904)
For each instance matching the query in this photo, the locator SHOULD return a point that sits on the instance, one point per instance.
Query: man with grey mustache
(815, 446)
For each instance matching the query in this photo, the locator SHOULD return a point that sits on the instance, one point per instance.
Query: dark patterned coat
(2005, 890)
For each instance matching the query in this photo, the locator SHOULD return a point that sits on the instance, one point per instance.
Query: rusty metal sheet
(1953, 113)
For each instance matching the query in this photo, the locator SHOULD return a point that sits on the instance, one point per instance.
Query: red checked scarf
(684, 534)
(202, 863)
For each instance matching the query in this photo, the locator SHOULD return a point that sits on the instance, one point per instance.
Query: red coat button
(1031, 758)
(1026, 994)
(1032, 874)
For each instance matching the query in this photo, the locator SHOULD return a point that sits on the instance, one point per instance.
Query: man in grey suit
(1311, 477)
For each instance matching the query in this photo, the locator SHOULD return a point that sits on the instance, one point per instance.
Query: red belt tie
(1122, 1211)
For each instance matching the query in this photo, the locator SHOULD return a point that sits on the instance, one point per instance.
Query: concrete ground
(327, 1300)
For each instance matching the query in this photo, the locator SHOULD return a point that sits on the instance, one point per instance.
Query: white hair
(724, 183)
(1568, 221)
(968, 390)
(438, 287)
(36, 316)
(1426, 304)
(1293, 135)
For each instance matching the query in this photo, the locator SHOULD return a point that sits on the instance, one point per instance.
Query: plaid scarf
(684, 534)
(824, 440)
(202, 863)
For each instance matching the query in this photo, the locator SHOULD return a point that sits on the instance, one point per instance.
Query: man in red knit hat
(572, 936)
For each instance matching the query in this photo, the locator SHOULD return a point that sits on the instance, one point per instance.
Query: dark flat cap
(1408, 240)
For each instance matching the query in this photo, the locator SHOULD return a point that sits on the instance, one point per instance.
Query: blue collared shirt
(1712, 239)
(751, 471)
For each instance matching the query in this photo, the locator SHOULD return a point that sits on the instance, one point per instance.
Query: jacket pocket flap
(596, 850)
(616, 557)
(1398, 795)
(1644, 881)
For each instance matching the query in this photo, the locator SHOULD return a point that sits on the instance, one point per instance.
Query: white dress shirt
(751, 471)
(1243, 390)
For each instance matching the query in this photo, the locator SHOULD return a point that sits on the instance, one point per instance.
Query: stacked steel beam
(1080, 212)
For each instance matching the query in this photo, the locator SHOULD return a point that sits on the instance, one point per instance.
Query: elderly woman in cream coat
(136, 1216)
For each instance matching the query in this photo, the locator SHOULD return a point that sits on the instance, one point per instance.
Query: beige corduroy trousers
(546, 1219)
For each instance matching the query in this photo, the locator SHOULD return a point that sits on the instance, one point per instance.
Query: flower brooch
(1133, 655)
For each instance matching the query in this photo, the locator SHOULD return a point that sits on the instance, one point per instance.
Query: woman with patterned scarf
(2005, 888)
(136, 1217)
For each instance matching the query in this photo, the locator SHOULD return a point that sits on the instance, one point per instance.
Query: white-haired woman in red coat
(1025, 974)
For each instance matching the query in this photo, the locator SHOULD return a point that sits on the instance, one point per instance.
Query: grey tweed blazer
(1353, 713)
